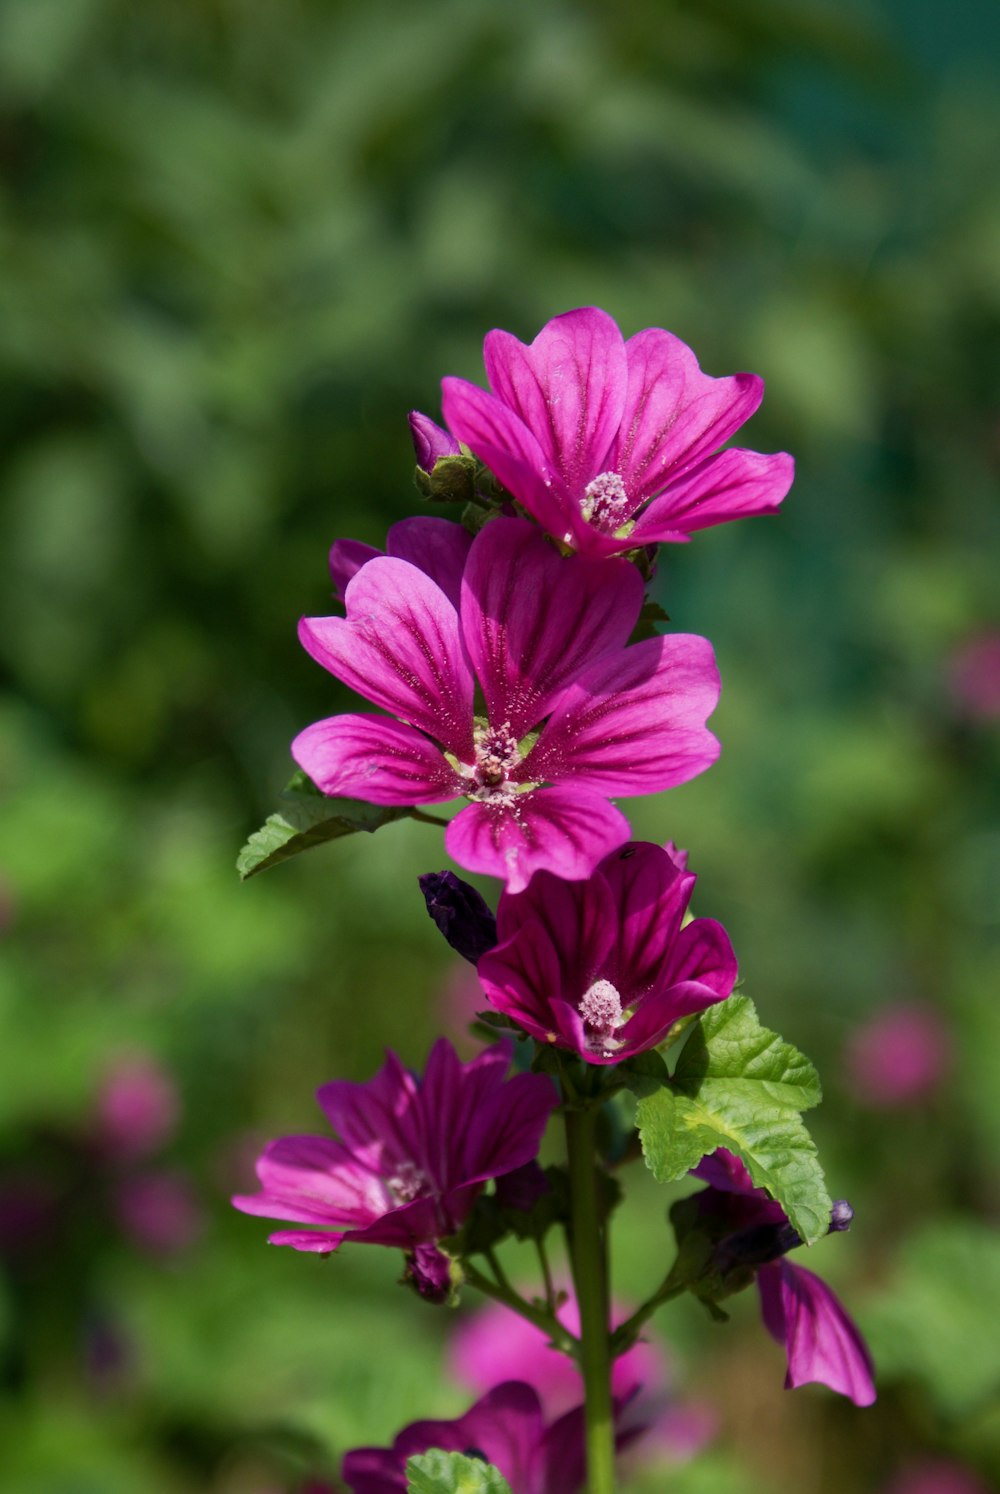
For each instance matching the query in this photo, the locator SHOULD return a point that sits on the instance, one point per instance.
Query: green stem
(503, 1292)
(590, 1278)
(626, 1334)
(428, 819)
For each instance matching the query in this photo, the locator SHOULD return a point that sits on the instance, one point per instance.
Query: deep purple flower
(573, 716)
(412, 1156)
(612, 444)
(800, 1311)
(604, 967)
(507, 1428)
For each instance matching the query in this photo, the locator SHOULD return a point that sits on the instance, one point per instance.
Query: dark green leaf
(739, 1086)
(307, 818)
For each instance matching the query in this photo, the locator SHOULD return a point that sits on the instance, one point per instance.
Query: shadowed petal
(565, 830)
(346, 559)
(438, 547)
(578, 921)
(376, 759)
(506, 1130)
(649, 896)
(735, 484)
(674, 414)
(703, 953)
(821, 1341)
(375, 1119)
(568, 386)
(400, 648)
(519, 976)
(534, 619)
(634, 723)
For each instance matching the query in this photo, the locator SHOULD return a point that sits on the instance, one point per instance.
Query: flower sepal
(452, 479)
(434, 1274)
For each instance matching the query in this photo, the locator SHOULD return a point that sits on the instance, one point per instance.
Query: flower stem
(503, 1292)
(590, 1278)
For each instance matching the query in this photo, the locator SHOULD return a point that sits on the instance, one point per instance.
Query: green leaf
(307, 818)
(439, 1472)
(739, 1086)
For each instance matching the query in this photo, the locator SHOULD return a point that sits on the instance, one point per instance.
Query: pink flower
(412, 1156)
(900, 1056)
(604, 967)
(936, 1476)
(820, 1341)
(573, 716)
(495, 1344)
(612, 444)
(974, 676)
(158, 1211)
(507, 1427)
(137, 1108)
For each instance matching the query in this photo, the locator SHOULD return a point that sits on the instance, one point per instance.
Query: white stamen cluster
(407, 1183)
(605, 502)
(601, 1010)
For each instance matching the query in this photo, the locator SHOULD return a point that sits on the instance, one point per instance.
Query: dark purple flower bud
(428, 1270)
(522, 1188)
(461, 913)
(757, 1245)
(429, 441)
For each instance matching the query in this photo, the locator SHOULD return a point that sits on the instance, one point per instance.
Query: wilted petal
(820, 1340)
(429, 441)
(634, 723)
(534, 619)
(568, 386)
(736, 484)
(674, 414)
(376, 759)
(400, 648)
(565, 830)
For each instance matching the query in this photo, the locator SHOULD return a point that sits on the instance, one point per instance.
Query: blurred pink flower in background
(974, 676)
(900, 1056)
(158, 1211)
(936, 1476)
(494, 1344)
(138, 1108)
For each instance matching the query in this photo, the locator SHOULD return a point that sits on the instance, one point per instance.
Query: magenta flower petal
(533, 619)
(318, 1241)
(376, 759)
(568, 386)
(563, 829)
(634, 723)
(347, 556)
(649, 898)
(400, 648)
(429, 441)
(704, 955)
(503, 443)
(820, 1340)
(674, 414)
(375, 1120)
(736, 484)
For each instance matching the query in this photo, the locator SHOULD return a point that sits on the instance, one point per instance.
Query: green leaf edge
(439, 1472)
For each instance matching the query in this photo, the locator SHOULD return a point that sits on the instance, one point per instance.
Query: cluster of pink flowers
(510, 667)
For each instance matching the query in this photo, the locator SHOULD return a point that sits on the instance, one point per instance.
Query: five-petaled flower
(610, 444)
(570, 715)
(604, 967)
(800, 1311)
(412, 1157)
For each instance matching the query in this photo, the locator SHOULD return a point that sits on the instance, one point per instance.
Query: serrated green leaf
(308, 818)
(439, 1472)
(740, 1086)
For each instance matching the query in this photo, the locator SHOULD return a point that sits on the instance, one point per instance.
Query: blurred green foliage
(240, 239)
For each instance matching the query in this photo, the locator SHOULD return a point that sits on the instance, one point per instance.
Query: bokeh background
(241, 238)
